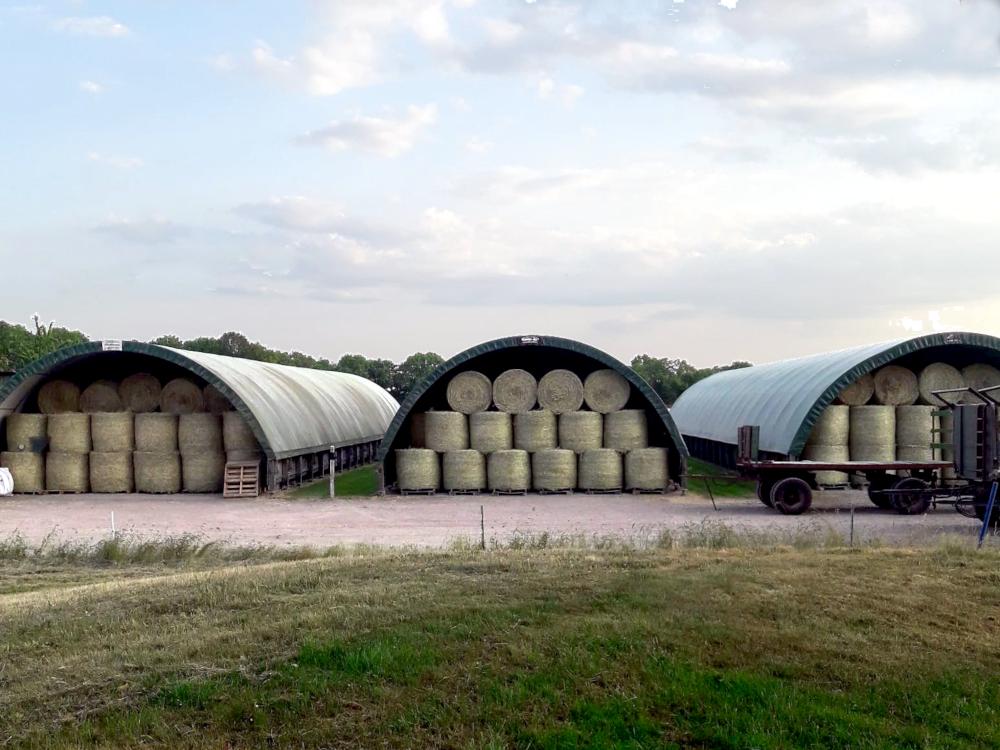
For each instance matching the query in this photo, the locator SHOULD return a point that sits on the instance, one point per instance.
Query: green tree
(19, 346)
(671, 377)
(412, 370)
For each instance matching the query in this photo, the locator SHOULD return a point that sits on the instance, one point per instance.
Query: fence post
(333, 470)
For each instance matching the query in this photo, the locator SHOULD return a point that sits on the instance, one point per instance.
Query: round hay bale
(939, 377)
(181, 396)
(244, 455)
(914, 453)
(69, 432)
(27, 432)
(236, 433)
(490, 431)
(156, 433)
(67, 472)
(873, 433)
(509, 470)
(560, 391)
(606, 391)
(515, 391)
(157, 472)
(446, 431)
(199, 433)
(646, 469)
(581, 431)
(945, 434)
(111, 472)
(140, 392)
(980, 377)
(215, 402)
(101, 396)
(418, 430)
(625, 430)
(915, 425)
(828, 453)
(553, 470)
(203, 472)
(833, 427)
(28, 470)
(600, 469)
(112, 432)
(469, 392)
(464, 470)
(418, 469)
(896, 386)
(535, 431)
(58, 397)
(859, 392)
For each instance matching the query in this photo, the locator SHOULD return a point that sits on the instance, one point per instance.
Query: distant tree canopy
(19, 346)
(671, 377)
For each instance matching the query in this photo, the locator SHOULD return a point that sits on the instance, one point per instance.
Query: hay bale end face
(236, 433)
(181, 396)
(553, 470)
(626, 430)
(491, 431)
(581, 431)
(27, 469)
(67, 472)
(464, 470)
(940, 376)
(203, 472)
(646, 469)
(112, 432)
(101, 396)
(509, 471)
(833, 426)
(140, 392)
(418, 469)
(606, 391)
(600, 469)
(156, 433)
(859, 392)
(69, 432)
(446, 431)
(199, 433)
(515, 391)
(27, 432)
(560, 391)
(469, 392)
(157, 473)
(535, 431)
(896, 386)
(58, 397)
(111, 472)
(215, 402)
(981, 377)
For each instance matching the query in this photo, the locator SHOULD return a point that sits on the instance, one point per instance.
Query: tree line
(20, 345)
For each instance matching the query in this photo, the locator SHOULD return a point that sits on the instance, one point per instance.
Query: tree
(412, 370)
(671, 377)
(19, 346)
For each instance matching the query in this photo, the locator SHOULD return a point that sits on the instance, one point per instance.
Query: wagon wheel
(877, 485)
(792, 496)
(764, 487)
(914, 502)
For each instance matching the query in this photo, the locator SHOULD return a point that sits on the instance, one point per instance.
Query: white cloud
(91, 87)
(91, 26)
(155, 231)
(111, 160)
(547, 88)
(384, 136)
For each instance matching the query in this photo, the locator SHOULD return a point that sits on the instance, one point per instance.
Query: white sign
(111, 345)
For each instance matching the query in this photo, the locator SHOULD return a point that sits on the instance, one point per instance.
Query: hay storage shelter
(296, 414)
(786, 399)
(537, 355)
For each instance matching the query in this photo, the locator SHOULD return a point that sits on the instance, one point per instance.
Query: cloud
(91, 87)
(384, 136)
(155, 231)
(307, 215)
(103, 26)
(118, 162)
(547, 88)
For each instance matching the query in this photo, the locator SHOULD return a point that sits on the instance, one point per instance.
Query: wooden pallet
(417, 492)
(637, 491)
(510, 492)
(556, 492)
(242, 479)
(465, 492)
(617, 491)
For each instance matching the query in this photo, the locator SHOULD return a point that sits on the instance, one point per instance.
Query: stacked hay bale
(113, 443)
(873, 433)
(238, 440)
(101, 396)
(58, 397)
(25, 454)
(157, 462)
(67, 464)
(981, 377)
(203, 462)
(181, 396)
(140, 392)
(914, 433)
(829, 442)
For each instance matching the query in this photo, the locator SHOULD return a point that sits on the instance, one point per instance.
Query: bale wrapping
(181, 396)
(111, 472)
(606, 391)
(515, 391)
(646, 469)
(553, 470)
(157, 472)
(873, 433)
(418, 430)
(469, 392)
(509, 470)
(828, 454)
(446, 431)
(833, 426)
(112, 432)
(69, 432)
(203, 472)
(896, 386)
(28, 470)
(101, 396)
(560, 391)
(199, 433)
(938, 377)
(464, 470)
(27, 432)
(600, 469)
(581, 431)
(140, 393)
(215, 402)
(418, 469)
(980, 377)
(490, 431)
(58, 397)
(236, 433)
(625, 430)
(535, 431)
(914, 426)
(156, 433)
(67, 472)
(859, 392)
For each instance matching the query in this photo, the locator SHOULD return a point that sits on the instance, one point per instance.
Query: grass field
(768, 647)
(724, 483)
(360, 482)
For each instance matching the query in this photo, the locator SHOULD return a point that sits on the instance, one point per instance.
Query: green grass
(736, 647)
(724, 483)
(360, 482)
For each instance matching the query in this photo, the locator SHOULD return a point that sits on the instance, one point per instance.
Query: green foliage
(360, 482)
(413, 369)
(19, 346)
(671, 377)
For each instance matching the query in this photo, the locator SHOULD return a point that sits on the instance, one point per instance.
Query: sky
(745, 179)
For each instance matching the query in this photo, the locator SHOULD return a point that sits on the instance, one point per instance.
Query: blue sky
(708, 180)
